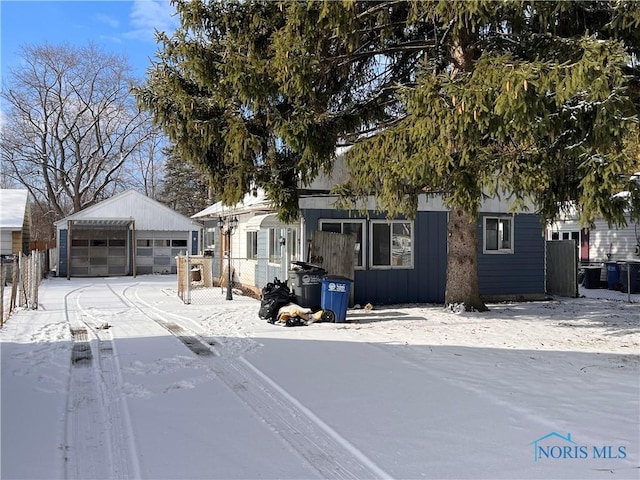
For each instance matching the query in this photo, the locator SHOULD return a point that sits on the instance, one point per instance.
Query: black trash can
(591, 277)
(629, 276)
(305, 281)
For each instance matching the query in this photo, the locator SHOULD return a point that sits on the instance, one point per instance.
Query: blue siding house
(396, 260)
(402, 261)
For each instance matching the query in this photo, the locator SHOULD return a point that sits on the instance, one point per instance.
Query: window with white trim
(498, 234)
(275, 246)
(292, 243)
(391, 244)
(355, 228)
(252, 245)
(209, 238)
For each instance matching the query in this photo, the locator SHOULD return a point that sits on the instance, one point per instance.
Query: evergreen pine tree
(462, 99)
(185, 189)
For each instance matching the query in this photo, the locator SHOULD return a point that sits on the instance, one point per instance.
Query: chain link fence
(204, 279)
(618, 280)
(20, 278)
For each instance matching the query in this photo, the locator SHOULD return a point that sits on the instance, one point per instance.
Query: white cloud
(149, 15)
(108, 20)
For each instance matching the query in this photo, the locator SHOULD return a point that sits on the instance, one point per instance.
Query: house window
(252, 245)
(292, 243)
(498, 235)
(391, 243)
(275, 249)
(350, 228)
(209, 238)
(571, 236)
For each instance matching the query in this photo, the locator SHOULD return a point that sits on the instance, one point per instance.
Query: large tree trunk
(462, 261)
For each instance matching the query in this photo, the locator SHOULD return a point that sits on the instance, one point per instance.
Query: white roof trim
(250, 203)
(263, 221)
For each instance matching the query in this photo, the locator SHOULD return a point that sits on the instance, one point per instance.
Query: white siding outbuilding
(15, 221)
(127, 234)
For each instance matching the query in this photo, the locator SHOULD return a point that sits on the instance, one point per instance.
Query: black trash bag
(295, 322)
(275, 295)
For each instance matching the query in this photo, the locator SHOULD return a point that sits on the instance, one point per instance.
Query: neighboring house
(262, 247)
(127, 234)
(398, 260)
(600, 243)
(15, 221)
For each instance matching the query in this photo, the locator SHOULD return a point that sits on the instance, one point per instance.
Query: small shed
(15, 221)
(127, 234)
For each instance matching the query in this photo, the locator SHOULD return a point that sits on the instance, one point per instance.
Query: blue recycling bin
(613, 275)
(334, 298)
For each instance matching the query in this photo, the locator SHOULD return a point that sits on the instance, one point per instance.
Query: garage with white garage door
(128, 234)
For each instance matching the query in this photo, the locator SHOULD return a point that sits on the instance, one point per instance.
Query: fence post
(629, 282)
(14, 285)
(2, 278)
(35, 258)
(22, 293)
(187, 272)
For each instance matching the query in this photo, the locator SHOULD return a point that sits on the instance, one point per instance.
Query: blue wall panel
(194, 242)
(424, 283)
(62, 253)
(521, 272)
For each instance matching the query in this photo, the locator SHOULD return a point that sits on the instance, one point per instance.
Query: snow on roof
(249, 203)
(13, 205)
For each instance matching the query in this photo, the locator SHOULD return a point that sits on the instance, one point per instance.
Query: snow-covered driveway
(116, 378)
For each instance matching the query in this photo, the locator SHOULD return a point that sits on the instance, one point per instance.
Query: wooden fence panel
(333, 252)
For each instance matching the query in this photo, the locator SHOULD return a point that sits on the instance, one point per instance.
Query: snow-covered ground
(116, 378)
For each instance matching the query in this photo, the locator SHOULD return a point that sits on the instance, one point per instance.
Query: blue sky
(118, 26)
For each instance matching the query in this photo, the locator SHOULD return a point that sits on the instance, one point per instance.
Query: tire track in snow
(99, 436)
(323, 449)
(191, 339)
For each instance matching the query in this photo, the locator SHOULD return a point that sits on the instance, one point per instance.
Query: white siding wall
(619, 243)
(5, 242)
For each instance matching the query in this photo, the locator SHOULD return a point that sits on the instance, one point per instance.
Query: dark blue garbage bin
(335, 298)
(629, 276)
(613, 275)
(591, 277)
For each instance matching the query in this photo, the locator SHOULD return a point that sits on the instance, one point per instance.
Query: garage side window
(498, 235)
(391, 244)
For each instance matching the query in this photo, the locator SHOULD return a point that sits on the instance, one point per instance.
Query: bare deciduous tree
(70, 125)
